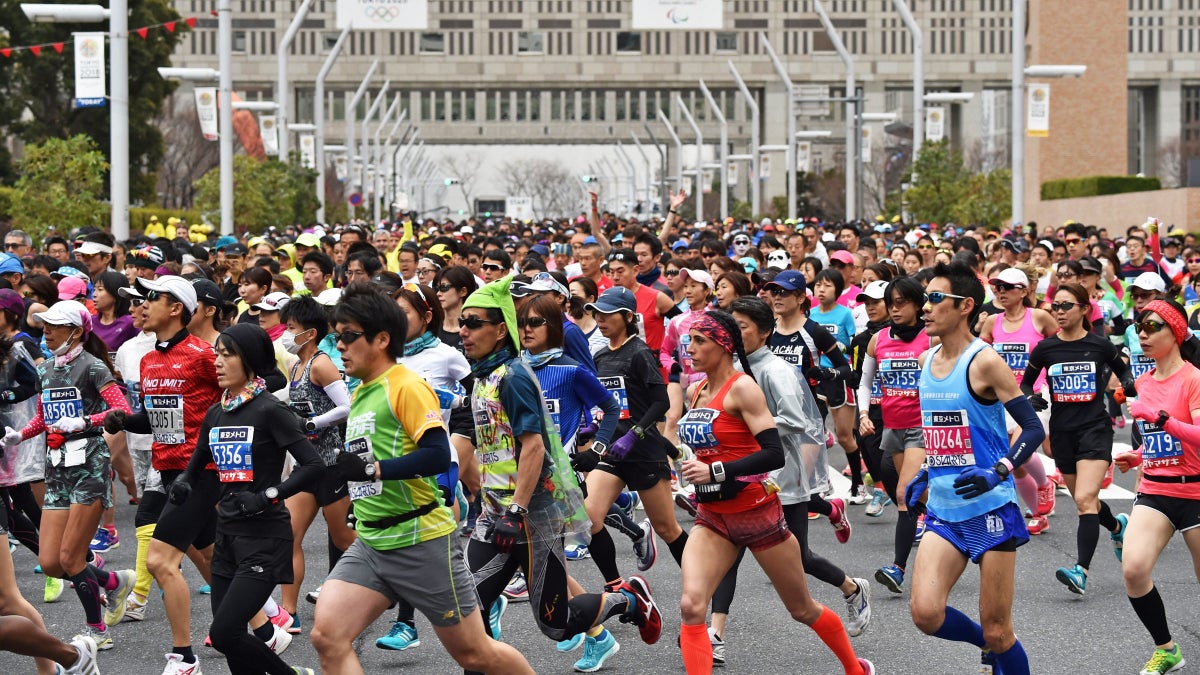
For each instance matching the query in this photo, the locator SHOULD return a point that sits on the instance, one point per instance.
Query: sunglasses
(778, 291)
(1063, 306)
(926, 246)
(1003, 287)
(671, 274)
(1193, 261)
(12, 245)
(706, 256)
(151, 296)
(1149, 327)
(137, 302)
(491, 267)
(1067, 275)
(741, 241)
(532, 322)
(445, 288)
(348, 337)
(1072, 241)
(937, 297)
(474, 322)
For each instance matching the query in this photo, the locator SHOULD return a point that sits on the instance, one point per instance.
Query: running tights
(817, 504)
(23, 515)
(234, 601)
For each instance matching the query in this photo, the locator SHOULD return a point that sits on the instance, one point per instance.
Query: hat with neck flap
(496, 295)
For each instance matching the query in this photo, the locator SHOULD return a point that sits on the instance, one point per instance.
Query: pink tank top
(899, 372)
(1016, 346)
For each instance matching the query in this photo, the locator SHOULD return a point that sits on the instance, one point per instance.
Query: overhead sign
(339, 168)
(678, 15)
(812, 100)
(383, 14)
(866, 144)
(707, 177)
(935, 124)
(89, 70)
(1037, 123)
(206, 111)
(520, 208)
(733, 173)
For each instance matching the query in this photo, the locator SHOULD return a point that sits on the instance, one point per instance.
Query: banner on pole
(764, 167)
(707, 177)
(733, 173)
(308, 151)
(804, 156)
(1037, 123)
(687, 185)
(866, 143)
(206, 111)
(678, 15)
(89, 70)
(383, 14)
(270, 134)
(339, 168)
(935, 124)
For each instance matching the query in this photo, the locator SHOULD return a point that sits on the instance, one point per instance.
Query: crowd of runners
(471, 406)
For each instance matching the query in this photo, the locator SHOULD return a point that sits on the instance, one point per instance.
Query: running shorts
(265, 558)
(1184, 514)
(83, 484)
(1068, 447)
(758, 529)
(1002, 529)
(329, 487)
(899, 440)
(194, 522)
(637, 475)
(835, 394)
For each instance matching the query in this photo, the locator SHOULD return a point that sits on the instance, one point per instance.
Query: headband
(713, 330)
(1174, 319)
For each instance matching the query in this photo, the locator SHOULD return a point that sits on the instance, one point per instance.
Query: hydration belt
(390, 521)
(1194, 478)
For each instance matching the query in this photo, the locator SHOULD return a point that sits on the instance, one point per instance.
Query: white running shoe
(86, 665)
(858, 608)
(135, 610)
(861, 496)
(280, 640)
(176, 666)
(517, 590)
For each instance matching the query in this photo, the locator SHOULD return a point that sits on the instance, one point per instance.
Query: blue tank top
(960, 432)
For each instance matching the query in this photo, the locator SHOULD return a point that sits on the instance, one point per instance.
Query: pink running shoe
(1046, 499)
(1037, 525)
(1108, 477)
(841, 524)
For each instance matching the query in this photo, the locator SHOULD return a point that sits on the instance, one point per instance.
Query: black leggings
(815, 566)
(22, 515)
(234, 601)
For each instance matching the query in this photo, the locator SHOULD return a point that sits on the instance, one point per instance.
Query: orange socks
(697, 649)
(831, 631)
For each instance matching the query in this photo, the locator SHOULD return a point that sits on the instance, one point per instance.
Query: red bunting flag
(58, 47)
(6, 52)
(170, 26)
(190, 21)
(143, 32)
(36, 49)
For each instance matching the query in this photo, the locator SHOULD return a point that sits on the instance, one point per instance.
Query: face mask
(65, 346)
(288, 340)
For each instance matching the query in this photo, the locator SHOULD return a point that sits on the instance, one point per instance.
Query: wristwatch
(638, 431)
(310, 426)
(1163, 416)
(369, 469)
(272, 493)
(1002, 469)
(599, 448)
(517, 510)
(717, 471)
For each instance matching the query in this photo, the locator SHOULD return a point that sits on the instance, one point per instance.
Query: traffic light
(450, 181)
(591, 179)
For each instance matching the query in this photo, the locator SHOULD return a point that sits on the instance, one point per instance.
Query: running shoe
(879, 500)
(135, 610)
(400, 637)
(718, 647)
(284, 620)
(1057, 478)
(860, 496)
(208, 641)
(596, 651)
(1164, 661)
(813, 515)
(920, 532)
(99, 562)
(642, 610)
(280, 640)
(837, 518)
(571, 643)
(496, 614)
(646, 548)
(12, 546)
(54, 589)
(102, 638)
(105, 540)
(632, 501)
(1118, 537)
(1037, 524)
(858, 608)
(1074, 578)
(517, 590)
(892, 577)
(987, 662)
(37, 569)
(205, 589)
(1108, 477)
(176, 666)
(683, 499)
(115, 602)
(577, 552)
(868, 668)
(828, 439)
(86, 664)
(313, 595)
(1046, 499)
(295, 628)
(1119, 420)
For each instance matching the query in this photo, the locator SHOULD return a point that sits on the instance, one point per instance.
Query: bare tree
(466, 169)
(186, 157)
(549, 184)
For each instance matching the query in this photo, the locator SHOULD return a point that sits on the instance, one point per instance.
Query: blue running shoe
(497, 613)
(892, 577)
(571, 644)
(1118, 537)
(37, 569)
(596, 651)
(105, 541)
(1074, 578)
(920, 533)
(204, 590)
(577, 552)
(400, 637)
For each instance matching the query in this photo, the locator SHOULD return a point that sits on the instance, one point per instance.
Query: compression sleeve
(1188, 433)
(36, 425)
(1032, 433)
(431, 457)
(769, 458)
(1121, 370)
(838, 358)
(340, 395)
(138, 423)
(673, 312)
(115, 399)
(1029, 378)
(865, 381)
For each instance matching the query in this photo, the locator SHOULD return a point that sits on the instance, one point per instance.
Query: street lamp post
(664, 161)
(376, 157)
(319, 117)
(351, 116)
(281, 81)
(225, 122)
(365, 143)
(918, 45)
(662, 117)
(687, 115)
(853, 128)
(755, 180)
(1017, 112)
(724, 150)
(628, 162)
(790, 90)
(649, 171)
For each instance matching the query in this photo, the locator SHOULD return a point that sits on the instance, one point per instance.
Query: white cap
(778, 259)
(65, 313)
(273, 302)
(179, 288)
(92, 248)
(1150, 281)
(1011, 276)
(329, 297)
(698, 275)
(876, 290)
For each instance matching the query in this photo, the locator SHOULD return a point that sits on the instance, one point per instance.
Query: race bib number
(876, 391)
(1158, 447)
(232, 451)
(166, 417)
(61, 403)
(1015, 354)
(135, 396)
(1073, 382)
(947, 438)
(899, 377)
(617, 386)
(685, 359)
(553, 407)
(1140, 364)
(361, 446)
(696, 429)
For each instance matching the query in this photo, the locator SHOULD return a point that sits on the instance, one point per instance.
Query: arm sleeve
(1120, 368)
(593, 395)
(138, 423)
(307, 470)
(1032, 434)
(769, 458)
(36, 425)
(673, 312)
(1032, 370)
(838, 358)
(114, 398)
(202, 454)
(666, 353)
(868, 377)
(656, 390)
(431, 458)
(340, 395)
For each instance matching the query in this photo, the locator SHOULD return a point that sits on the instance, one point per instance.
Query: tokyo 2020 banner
(383, 14)
(678, 15)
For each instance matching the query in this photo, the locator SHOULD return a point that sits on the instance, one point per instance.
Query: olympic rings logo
(381, 13)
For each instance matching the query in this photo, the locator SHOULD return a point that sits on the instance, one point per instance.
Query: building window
(535, 106)
(727, 42)
(531, 42)
(505, 105)
(569, 105)
(304, 105)
(328, 40)
(629, 42)
(239, 42)
(433, 43)
(490, 101)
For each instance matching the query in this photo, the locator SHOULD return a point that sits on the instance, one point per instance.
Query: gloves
(1142, 411)
(179, 491)
(114, 422)
(623, 445)
(1038, 402)
(351, 467)
(508, 531)
(249, 503)
(585, 461)
(11, 436)
(916, 487)
(974, 481)
(70, 425)
(1128, 460)
(820, 374)
(448, 399)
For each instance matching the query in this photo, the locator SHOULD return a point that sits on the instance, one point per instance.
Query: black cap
(235, 249)
(208, 293)
(257, 353)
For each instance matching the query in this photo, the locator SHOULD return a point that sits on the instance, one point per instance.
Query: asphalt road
(1062, 632)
